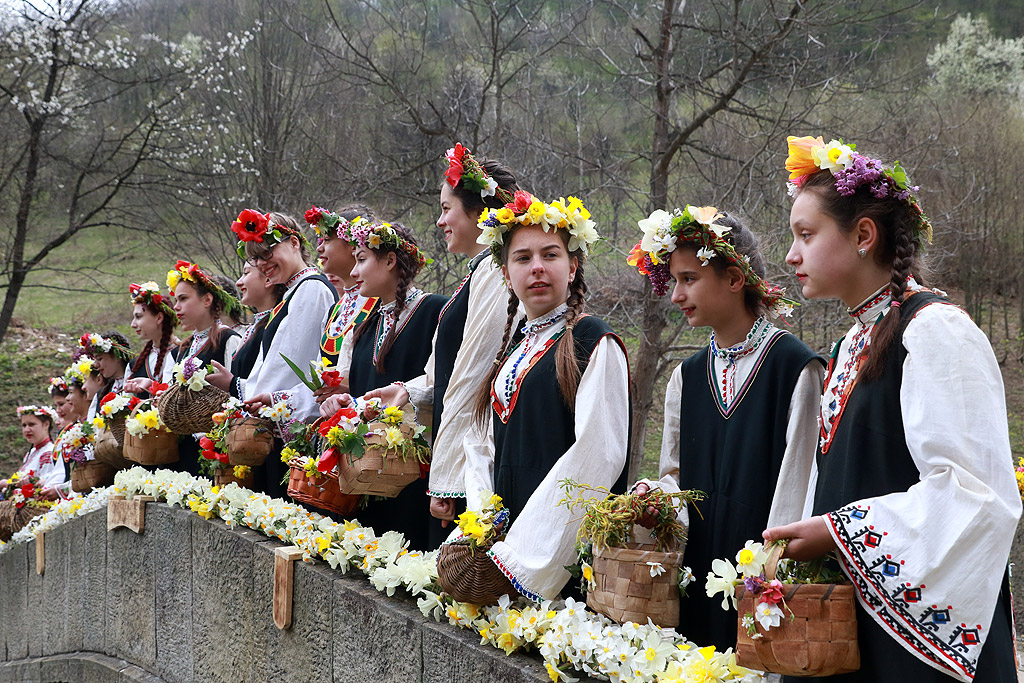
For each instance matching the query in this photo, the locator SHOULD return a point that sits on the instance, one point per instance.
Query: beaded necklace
(759, 331)
(531, 330)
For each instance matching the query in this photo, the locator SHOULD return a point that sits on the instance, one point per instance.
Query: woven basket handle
(772, 565)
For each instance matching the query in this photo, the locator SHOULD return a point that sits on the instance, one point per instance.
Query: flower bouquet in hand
(631, 580)
(795, 618)
(320, 374)
(188, 404)
(464, 569)
(147, 439)
(20, 501)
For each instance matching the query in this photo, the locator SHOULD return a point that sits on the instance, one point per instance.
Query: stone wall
(191, 600)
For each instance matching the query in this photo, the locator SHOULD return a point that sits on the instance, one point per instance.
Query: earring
(862, 252)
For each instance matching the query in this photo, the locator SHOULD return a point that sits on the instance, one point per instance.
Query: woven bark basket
(13, 519)
(108, 450)
(116, 427)
(320, 492)
(249, 441)
(91, 474)
(226, 475)
(377, 472)
(471, 576)
(625, 590)
(190, 412)
(156, 448)
(821, 639)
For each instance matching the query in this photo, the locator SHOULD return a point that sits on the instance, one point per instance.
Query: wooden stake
(40, 554)
(127, 513)
(284, 572)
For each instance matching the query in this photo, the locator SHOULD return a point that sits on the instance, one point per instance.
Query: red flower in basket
(28, 490)
(207, 448)
(108, 397)
(157, 388)
(328, 460)
(331, 378)
(250, 226)
(333, 420)
(454, 157)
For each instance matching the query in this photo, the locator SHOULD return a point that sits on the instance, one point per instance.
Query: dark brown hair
(166, 333)
(897, 249)
(746, 244)
(502, 174)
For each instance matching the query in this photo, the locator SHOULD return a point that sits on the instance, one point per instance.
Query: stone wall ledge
(191, 599)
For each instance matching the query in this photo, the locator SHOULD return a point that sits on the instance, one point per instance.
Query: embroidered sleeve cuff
(507, 564)
(445, 494)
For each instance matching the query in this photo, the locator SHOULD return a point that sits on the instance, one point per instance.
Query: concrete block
(375, 638)
(172, 528)
(93, 582)
(452, 655)
(35, 618)
(15, 577)
(55, 628)
(303, 651)
(131, 595)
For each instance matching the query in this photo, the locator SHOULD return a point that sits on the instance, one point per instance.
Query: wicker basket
(471, 576)
(13, 519)
(156, 448)
(91, 474)
(377, 472)
(108, 450)
(249, 441)
(320, 492)
(116, 427)
(625, 590)
(190, 412)
(226, 475)
(821, 639)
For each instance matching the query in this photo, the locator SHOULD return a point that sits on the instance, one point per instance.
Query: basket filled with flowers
(115, 409)
(215, 464)
(189, 402)
(76, 445)
(307, 484)
(795, 618)
(626, 579)
(464, 569)
(147, 439)
(248, 438)
(20, 502)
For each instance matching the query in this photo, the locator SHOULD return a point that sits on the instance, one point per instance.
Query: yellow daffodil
(506, 215)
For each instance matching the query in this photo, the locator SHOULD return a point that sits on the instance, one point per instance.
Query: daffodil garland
(525, 209)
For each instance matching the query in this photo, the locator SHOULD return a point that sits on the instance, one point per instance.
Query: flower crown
(78, 372)
(525, 209)
(190, 272)
(322, 220)
(95, 344)
(664, 231)
(851, 170)
(464, 168)
(57, 384)
(383, 236)
(148, 294)
(39, 411)
(253, 226)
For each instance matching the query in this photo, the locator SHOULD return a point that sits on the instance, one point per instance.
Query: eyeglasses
(254, 261)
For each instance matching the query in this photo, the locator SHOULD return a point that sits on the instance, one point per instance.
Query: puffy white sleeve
(542, 540)
(297, 337)
(51, 474)
(231, 347)
(668, 463)
(943, 542)
(793, 484)
(452, 473)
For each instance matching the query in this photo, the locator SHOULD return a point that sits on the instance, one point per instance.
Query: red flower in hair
(454, 157)
(157, 298)
(521, 201)
(313, 216)
(134, 289)
(250, 226)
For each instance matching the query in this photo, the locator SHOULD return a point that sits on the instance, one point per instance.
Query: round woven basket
(156, 448)
(91, 474)
(13, 519)
(624, 589)
(108, 450)
(820, 639)
(226, 475)
(116, 427)
(249, 441)
(377, 472)
(190, 412)
(471, 576)
(321, 492)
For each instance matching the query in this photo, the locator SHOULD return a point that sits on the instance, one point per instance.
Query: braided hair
(407, 267)
(217, 333)
(567, 365)
(166, 335)
(899, 249)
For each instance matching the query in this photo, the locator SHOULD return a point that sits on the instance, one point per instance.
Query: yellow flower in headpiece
(800, 161)
(173, 278)
(506, 215)
(536, 211)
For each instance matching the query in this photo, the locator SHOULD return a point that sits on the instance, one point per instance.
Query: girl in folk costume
(557, 396)
(391, 345)
(913, 487)
(36, 424)
(741, 413)
(78, 380)
(336, 246)
(110, 354)
(58, 390)
(467, 338)
(153, 319)
(257, 293)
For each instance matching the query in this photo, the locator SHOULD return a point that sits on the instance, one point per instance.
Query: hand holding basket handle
(809, 539)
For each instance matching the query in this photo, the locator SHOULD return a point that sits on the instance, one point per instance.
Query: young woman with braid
(391, 345)
(741, 413)
(913, 490)
(466, 340)
(557, 396)
(110, 354)
(153, 319)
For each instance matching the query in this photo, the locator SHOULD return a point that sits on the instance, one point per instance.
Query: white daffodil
(490, 187)
(751, 559)
(768, 615)
(721, 579)
(658, 223)
(705, 254)
(835, 156)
